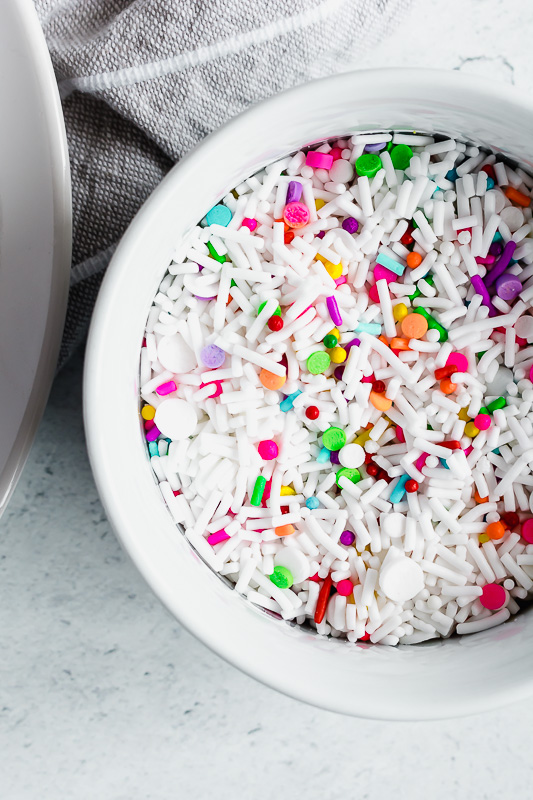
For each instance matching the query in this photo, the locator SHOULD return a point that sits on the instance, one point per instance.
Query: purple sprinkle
(496, 248)
(339, 372)
(375, 148)
(321, 234)
(352, 343)
(481, 289)
(294, 191)
(347, 538)
(334, 457)
(153, 434)
(508, 287)
(350, 224)
(212, 356)
(333, 310)
(501, 265)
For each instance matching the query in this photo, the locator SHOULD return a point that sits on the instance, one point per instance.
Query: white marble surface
(103, 695)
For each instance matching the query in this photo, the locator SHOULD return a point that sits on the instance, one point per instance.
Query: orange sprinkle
(284, 530)
(383, 339)
(495, 530)
(414, 260)
(399, 344)
(414, 326)
(271, 381)
(380, 402)
(516, 197)
(447, 387)
(479, 499)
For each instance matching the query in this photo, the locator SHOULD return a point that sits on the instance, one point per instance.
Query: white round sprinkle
(175, 418)
(402, 579)
(393, 524)
(175, 354)
(352, 456)
(341, 171)
(524, 327)
(295, 561)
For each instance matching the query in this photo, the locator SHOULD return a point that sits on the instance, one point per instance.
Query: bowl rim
(94, 386)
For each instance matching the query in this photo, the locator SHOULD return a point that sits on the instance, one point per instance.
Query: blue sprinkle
(373, 328)
(218, 215)
(323, 456)
(443, 461)
(490, 183)
(390, 263)
(451, 175)
(312, 503)
(398, 493)
(497, 237)
(288, 402)
(153, 448)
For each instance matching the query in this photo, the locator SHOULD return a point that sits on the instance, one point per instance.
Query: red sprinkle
(445, 372)
(411, 486)
(323, 597)
(312, 412)
(451, 445)
(510, 518)
(378, 387)
(275, 323)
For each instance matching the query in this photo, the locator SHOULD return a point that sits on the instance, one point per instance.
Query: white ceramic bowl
(448, 678)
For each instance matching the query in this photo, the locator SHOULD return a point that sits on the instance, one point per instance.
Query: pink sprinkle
(152, 434)
(333, 309)
(296, 215)
(421, 460)
(482, 422)
(485, 260)
(335, 153)
(368, 379)
(531, 373)
(399, 434)
(166, 388)
(249, 223)
(176, 492)
(381, 272)
(458, 360)
(149, 424)
(493, 597)
(345, 587)
(217, 391)
(319, 160)
(468, 450)
(217, 537)
(341, 280)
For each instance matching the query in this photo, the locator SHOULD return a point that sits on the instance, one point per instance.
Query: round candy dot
(250, 223)
(400, 311)
(212, 356)
(347, 538)
(527, 530)
(271, 381)
(330, 340)
(495, 530)
(350, 224)
(411, 486)
(447, 386)
(401, 579)
(414, 260)
(401, 156)
(334, 438)
(508, 287)
(344, 587)
(353, 475)
(379, 387)
(338, 355)
(148, 412)
(511, 519)
(312, 412)
(459, 361)
(482, 421)
(372, 469)
(295, 561)
(175, 418)
(352, 456)
(493, 597)
(368, 164)
(275, 323)
(312, 503)
(282, 577)
(482, 538)
(524, 327)
(218, 215)
(296, 215)
(341, 171)
(318, 362)
(261, 306)
(174, 354)
(414, 326)
(267, 449)
(471, 429)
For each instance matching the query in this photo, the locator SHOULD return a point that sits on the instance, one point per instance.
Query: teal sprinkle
(323, 456)
(390, 263)
(368, 327)
(153, 448)
(398, 493)
(288, 402)
(312, 503)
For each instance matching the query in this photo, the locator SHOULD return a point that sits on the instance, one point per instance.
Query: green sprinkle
(401, 156)
(330, 340)
(368, 164)
(353, 475)
(282, 577)
(277, 312)
(259, 488)
(214, 253)
(428, 279)
(433, 324)
(500, 402)
(318, 362)
(334, 438)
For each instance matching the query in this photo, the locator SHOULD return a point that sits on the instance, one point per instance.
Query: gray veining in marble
(104, 696)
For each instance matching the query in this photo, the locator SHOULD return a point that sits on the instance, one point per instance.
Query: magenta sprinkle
(166, 388)
(486, 260)
(352, 343)
(341, 280)
(153, 434)
(501, 265)
(217, 537)
(334, 310)
(481, 289)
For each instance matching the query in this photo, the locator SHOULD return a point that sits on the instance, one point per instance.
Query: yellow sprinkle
(350, 600)
(286, 490)
(464, 415)
(319, 203)
(334, 332)
(338, 355)
(471, 430)
(333, 270)
(483, 538)
(400, 312)
(148, 412)
(363, 437)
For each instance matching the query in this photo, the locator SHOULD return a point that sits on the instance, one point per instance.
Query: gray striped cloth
(142, 81)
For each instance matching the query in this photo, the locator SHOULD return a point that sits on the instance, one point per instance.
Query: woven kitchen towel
(142, 81)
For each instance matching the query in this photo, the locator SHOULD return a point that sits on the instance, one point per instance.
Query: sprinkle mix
(337, 388)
